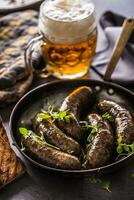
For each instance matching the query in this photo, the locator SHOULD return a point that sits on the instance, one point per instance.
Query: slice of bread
(11, 166)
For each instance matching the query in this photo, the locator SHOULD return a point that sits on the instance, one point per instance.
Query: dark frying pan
(56, 92)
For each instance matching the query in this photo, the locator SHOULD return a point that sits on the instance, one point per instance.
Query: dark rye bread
(11, 166)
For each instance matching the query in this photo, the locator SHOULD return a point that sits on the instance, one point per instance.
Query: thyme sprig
(124, 148)
(28, 133)
(60, 115)
(93, 132)
(107, 116)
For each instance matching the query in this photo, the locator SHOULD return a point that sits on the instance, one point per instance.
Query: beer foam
(66, 21)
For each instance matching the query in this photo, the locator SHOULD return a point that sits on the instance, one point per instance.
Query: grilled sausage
(53, 135)
(123, 120)
(47, 155)
(76, 102)
(101, 147)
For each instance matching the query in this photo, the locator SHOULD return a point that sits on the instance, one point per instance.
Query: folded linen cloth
(16, 30)
(124, 72)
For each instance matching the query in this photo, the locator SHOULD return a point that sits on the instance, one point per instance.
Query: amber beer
(69, 37)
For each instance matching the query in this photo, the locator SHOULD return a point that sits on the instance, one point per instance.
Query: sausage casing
(53, 135)
(76, 102)
(49, 156)
(101, 147)
(123, 120)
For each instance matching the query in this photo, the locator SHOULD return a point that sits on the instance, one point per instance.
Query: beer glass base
(69, 76)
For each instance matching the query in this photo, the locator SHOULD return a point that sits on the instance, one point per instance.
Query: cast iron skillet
(55, 92)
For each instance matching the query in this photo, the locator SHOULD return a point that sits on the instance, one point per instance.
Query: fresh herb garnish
(25, 132)
(124, 148)
(91, 136)
(93, 131)
(107, 116)
(60, 115)
(41, 116)
(28, 133)
(85, 125)
(106, 185)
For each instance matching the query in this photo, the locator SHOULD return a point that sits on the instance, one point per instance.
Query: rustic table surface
(37, 185)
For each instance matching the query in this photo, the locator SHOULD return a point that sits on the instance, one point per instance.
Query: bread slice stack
(11, 166)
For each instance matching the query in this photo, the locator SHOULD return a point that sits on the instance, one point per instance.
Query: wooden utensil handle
(128, 26)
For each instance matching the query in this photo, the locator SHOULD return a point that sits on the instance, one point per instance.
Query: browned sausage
(123, 120)
(53, 135)
(101, 143)
(48, 155)
(76, 102)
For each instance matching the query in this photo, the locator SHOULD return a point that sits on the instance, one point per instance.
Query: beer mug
(68, 36)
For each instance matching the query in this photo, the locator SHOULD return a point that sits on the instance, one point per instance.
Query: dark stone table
(37, 185)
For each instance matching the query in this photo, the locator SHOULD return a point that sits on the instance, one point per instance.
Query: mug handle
(28, 57)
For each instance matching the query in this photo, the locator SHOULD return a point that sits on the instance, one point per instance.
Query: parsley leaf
(93, 131)
(124, 149)
(24, 131)
(106, 185)
(85, 125)
(42, 116)
(107, 116)
(50, 113)
(119, 149)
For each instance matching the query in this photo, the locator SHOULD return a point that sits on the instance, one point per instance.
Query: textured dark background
(37, 185)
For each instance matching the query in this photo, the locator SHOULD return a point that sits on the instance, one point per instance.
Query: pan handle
(128, 27)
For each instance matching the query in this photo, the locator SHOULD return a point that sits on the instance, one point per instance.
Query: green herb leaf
(119, 140)
(132, 147)
(107, 116)
(126, 148)
(50, 108)
(24, 131)
(95, 129)
(67, 118)
(62, 114)
(42, 116)
(85, 125)
(106, 185)
(119, 149)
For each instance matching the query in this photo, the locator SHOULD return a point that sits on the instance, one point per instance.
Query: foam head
(67, 21)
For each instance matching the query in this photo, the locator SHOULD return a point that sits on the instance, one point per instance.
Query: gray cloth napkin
(124, 73)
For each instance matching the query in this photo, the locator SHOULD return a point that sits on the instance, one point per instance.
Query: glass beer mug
(67, 38)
